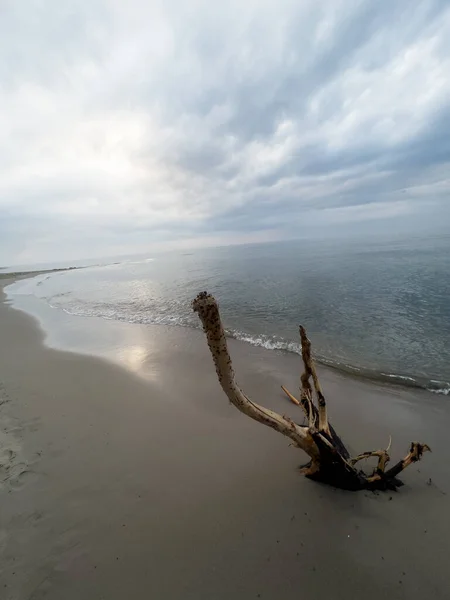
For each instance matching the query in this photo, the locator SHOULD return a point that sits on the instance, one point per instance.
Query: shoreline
(59, 326)
(153, 486)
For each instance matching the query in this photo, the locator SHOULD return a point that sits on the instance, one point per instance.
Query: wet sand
(141, 481)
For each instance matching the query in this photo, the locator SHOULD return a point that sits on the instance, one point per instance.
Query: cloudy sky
(127, 125)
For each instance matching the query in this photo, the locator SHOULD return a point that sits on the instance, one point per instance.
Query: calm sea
(377, 308)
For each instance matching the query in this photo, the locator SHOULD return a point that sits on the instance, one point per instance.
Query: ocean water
(376, 308)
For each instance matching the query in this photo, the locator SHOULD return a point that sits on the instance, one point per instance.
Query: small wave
(401, 377)
(137, 262)
(42, 280)
(439, 387)
(441, 391)
(114, 313)
(265, 341)
(119, 263)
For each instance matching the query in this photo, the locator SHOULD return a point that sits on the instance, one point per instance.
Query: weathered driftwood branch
(310, 371)
(330, 460)
(208, 312)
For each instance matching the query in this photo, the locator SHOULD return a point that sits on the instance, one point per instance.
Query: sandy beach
(131, 476)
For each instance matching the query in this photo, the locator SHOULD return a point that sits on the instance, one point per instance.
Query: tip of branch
(303, 336)
(390, 444)
(417, 450)
(290, 396)
(203, 301)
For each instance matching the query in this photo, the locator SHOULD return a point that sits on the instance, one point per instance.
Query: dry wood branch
(382, 455)
(330, 461)
(305, 403)
(306, 406)
(415, 453)
(292, 398)
(207, 309)
(310, 371)
(364, 456)
(383, 459)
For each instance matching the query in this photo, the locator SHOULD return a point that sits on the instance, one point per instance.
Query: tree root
(330, 460)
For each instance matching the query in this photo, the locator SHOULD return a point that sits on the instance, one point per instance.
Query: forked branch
(330, 461)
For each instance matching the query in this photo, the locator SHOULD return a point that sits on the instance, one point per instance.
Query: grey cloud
(285, 89)
(431, 147)
(41, 44)
(127, 120)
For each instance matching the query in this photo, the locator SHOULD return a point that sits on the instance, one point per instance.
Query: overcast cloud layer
(127, 124)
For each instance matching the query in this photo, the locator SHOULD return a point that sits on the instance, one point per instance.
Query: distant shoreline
(21, 274)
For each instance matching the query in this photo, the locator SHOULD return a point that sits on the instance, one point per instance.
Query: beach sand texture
(115, 485)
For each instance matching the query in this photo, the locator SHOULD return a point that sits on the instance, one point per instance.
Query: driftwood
(330, 461)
